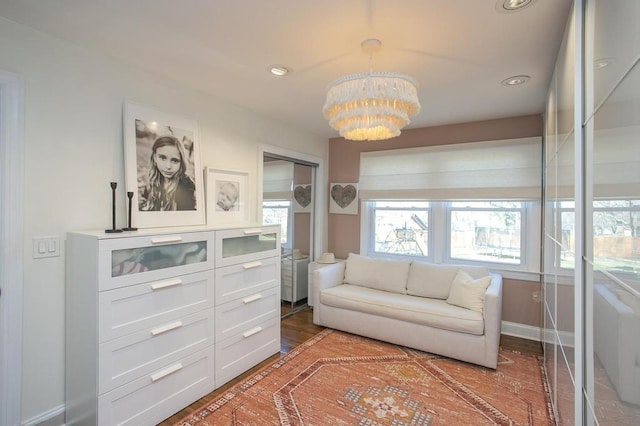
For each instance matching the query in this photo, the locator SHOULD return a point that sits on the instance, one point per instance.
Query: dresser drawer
(150, 399)
(127, 358)
(286, 271)
(129, 309)
(243, 314)
(235, 246)
(242, 351)
(134, 260)
(246, 279)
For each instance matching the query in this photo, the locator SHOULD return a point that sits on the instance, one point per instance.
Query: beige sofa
(449, 310)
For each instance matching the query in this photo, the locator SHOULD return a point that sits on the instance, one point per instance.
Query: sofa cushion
(467, 292)
(475, 272)
(419, 310)
(429, 280)
(381, 274)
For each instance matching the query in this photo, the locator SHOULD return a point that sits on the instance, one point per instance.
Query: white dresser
(247, 311)
(143, 321)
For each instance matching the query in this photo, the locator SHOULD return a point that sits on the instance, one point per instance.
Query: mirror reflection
(288, 200)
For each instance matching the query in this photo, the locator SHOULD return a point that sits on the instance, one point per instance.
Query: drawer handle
(164, 373)
(251, 332)
(165, 284)
(166, 328)
(254, 231)
(252, 265)
(252, 298)
(166, 240)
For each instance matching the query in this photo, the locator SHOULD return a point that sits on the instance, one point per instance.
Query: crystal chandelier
(372, 105)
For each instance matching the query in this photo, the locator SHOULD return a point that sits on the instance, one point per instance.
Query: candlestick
(113, 229)
(129, 228)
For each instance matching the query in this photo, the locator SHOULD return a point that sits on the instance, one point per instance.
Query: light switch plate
(46, 247)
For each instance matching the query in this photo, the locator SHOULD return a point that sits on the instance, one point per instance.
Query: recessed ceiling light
(516, 80)
(279, 70)
(512, 5)
(603, 63)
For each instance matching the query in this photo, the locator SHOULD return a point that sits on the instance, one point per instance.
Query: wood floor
(298, 328)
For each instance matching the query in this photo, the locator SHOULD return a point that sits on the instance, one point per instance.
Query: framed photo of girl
(162, 168)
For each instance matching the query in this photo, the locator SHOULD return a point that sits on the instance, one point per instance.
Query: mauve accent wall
(521, 301)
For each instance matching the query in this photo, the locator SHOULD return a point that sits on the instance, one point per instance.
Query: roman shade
(277, 180)
(615, 164)
(509, 169)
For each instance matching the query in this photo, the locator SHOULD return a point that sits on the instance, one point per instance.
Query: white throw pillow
(429, 280)
(467, 292)
(379, 274)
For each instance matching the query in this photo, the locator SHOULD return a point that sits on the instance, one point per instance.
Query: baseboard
(534, 333)
(523, 331)
(53, 417)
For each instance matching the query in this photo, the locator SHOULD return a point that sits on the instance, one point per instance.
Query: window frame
(439, 241)
(591, 211)
(369, 243)
(288, 243)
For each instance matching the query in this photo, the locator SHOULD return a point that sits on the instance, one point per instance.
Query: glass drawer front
(235, 246)
(143, 259)
(134, 260)
(240, 246)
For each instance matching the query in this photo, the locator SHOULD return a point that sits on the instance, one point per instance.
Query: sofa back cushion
(429, 280)
(475, 272)
(468, 292)
(379, 274)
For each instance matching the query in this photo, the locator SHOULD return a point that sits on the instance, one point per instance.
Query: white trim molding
(53, 417)
(11, 243)
(319, 200)
(523, 331)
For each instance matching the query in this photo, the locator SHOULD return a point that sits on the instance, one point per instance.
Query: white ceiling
(458, 50)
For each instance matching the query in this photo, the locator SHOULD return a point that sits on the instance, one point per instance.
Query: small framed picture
(302, 198)
(162, 155)
(227, 197)
(343, 198)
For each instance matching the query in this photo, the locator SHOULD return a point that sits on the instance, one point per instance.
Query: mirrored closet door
(288, 199)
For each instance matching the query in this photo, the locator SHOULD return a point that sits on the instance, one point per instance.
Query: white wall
(74, 148)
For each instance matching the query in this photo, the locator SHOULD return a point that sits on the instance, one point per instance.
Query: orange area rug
(337, 378)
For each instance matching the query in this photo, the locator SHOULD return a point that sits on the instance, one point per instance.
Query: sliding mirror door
(288, 199)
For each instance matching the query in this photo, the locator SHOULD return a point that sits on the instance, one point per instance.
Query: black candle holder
(129, 228)
(113, 229)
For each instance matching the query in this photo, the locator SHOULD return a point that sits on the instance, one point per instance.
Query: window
(278, 211)
(476, 202)
(400, 227)
(616, 234)
(502, 235)
(486, 231)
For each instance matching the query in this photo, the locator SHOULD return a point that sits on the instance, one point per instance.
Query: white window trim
(438, 237)
(287, 244)
(11, 253)
(369, 244)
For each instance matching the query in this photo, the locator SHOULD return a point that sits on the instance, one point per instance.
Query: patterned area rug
(337, 378)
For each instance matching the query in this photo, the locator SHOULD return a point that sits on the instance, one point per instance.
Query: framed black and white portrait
(227, 197)
(162, 168)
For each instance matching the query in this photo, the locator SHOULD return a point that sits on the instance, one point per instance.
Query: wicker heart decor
(302, 195)
(343, 195)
